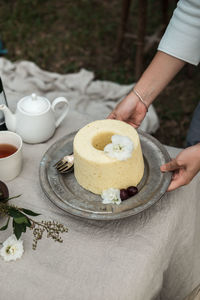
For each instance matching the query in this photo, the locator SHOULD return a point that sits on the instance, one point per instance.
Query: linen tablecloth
(153, 255)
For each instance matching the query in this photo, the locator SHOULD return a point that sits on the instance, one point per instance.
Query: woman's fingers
(112, 115)
(130, 110)
(176, 182)
(170, 166)
(181, 174)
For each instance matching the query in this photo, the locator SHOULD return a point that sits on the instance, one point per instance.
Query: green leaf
(28, 224)
(19, 217)
(30, 212)
(21, 220)
(17, 232)
(5, 226)
(14, 197)
(15, 213)
(18, 229)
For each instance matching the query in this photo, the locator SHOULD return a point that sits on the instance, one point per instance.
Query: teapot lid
(34, 104)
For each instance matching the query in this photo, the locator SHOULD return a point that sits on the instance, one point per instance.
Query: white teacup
(10, 155)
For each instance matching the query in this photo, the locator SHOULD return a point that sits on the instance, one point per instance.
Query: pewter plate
(64, 191)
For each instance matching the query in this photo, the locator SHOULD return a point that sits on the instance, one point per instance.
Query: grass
(64, 36)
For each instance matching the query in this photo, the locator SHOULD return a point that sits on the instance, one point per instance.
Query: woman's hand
(185, 166)
(130, 110)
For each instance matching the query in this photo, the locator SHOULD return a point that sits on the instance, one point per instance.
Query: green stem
(14, 197)
(31, 220)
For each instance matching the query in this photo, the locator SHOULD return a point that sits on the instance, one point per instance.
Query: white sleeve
(182, 36)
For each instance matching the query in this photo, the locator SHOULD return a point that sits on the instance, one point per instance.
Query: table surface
(153, 254)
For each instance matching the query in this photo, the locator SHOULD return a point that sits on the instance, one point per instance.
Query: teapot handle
(65, 111)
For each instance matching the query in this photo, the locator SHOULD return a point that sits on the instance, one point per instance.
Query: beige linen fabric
(154, 255)
(194, 295)
(86, 95)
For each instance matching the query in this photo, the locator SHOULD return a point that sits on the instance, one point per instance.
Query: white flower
(111, 196)
(12, 249)
(121, 147)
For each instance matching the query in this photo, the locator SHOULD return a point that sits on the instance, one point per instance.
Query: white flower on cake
(111, 196)
(12, 249)
(121, 147)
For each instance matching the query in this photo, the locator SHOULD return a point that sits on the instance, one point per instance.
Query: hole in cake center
(101, 140)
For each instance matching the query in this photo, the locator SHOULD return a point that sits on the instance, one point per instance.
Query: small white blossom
(12, 249)
(121, 147)
(111, 196)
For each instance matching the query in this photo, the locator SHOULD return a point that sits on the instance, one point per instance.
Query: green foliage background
(64, 36)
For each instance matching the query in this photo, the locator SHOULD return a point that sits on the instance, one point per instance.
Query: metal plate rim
(93, 216)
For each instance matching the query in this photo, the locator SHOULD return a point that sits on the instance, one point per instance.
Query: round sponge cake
(94, 170)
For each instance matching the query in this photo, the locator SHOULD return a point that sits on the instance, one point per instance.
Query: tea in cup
(10, 155)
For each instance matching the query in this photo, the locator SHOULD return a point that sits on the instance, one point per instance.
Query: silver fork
(65, 164)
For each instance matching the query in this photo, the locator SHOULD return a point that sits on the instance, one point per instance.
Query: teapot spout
(10, 118)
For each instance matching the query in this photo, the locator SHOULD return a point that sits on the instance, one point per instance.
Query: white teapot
(35, 117)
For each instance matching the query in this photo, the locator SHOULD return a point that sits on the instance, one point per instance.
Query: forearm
(159, 73)
(132, 109)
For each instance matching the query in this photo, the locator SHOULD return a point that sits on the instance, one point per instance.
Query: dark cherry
(4, 194)
(132, 190)
(124, 194)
